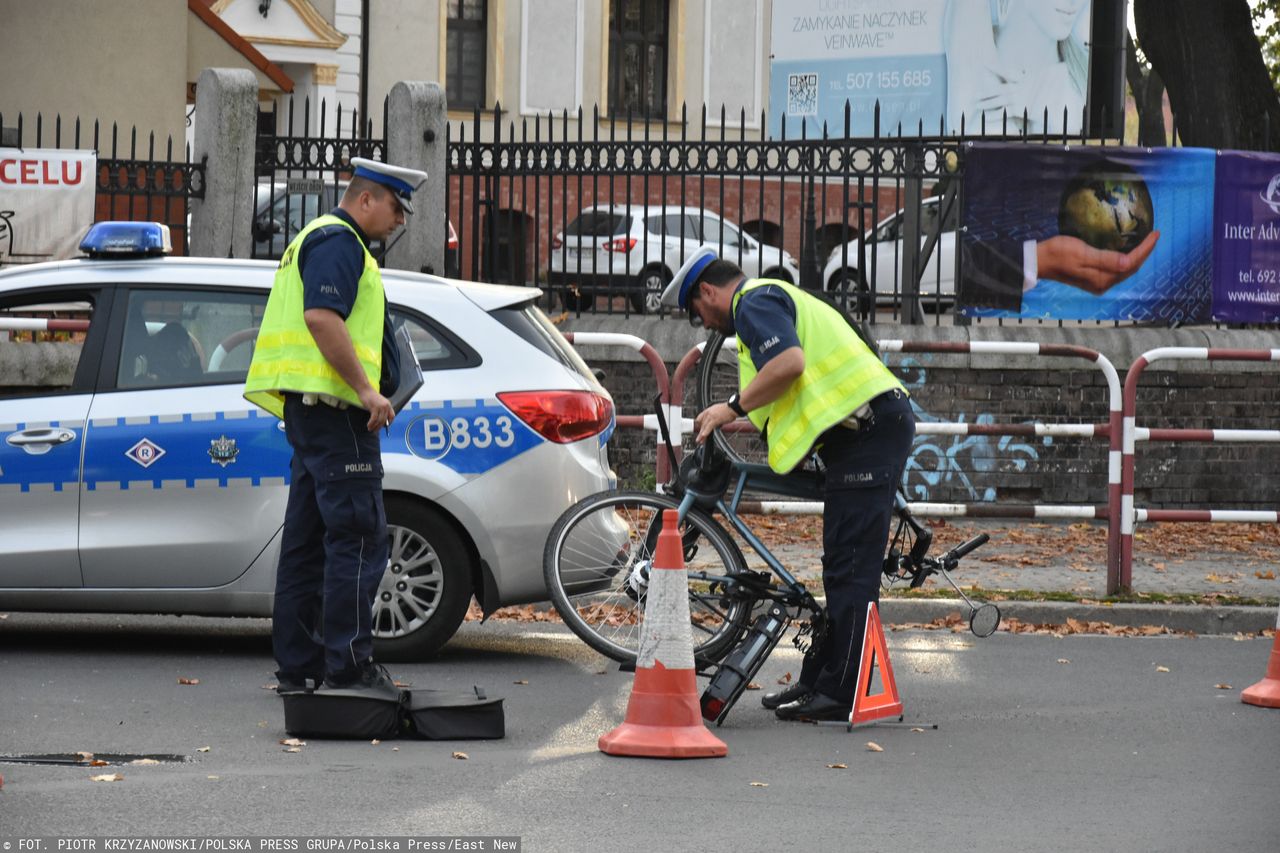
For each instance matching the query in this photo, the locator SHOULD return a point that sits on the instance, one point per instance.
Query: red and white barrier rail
(41, 324)
(675, 422)
(939, 510)
(1129, 514)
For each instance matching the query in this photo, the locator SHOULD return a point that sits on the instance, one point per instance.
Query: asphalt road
(1043, 743)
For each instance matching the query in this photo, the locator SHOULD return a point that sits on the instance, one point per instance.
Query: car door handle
(38, 441)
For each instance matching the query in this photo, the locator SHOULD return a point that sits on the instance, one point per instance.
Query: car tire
(424, 595)
(849, 284)
(647, 298)
(778, 273)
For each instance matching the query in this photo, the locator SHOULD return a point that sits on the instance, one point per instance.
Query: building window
(638, 57)
(465, 53)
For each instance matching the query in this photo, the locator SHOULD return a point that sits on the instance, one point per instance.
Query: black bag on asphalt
(453, 715)
(358, 713)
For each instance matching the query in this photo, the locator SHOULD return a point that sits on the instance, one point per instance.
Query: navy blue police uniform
(863, 467)
(334, 548)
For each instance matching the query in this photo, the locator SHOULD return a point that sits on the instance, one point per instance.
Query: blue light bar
(126, 239)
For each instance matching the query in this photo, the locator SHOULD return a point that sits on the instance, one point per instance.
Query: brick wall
(1035, 470)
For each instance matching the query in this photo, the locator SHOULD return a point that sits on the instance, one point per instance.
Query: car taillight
(622, 244)
(561, 416)
(556, 242)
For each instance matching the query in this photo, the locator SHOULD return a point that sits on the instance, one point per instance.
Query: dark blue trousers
(334, 547)
(864, 468)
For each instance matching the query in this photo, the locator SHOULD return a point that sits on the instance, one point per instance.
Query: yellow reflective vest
(286, 357)
(840, 374)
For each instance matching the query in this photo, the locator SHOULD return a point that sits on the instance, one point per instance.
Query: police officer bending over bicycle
(325, 362)
(809, 383)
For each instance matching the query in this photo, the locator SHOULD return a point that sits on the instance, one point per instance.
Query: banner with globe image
(1246, 238)
(1087, 233)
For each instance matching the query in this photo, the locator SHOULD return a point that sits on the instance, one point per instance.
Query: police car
(134, 477)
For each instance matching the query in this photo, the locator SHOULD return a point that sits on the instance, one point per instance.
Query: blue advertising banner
(1087, 233)
(1246, 238)
(930, 64)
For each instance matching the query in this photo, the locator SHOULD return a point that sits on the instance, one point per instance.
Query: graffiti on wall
(940, 464)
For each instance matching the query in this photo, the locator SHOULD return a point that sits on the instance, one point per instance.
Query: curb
(1228, 619)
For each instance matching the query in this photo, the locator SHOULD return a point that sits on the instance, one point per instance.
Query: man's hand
(1072, 261)
(379, 407)
(711, 419)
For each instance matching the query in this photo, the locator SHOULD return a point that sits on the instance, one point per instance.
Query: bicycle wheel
(597, 561)
(717, 379)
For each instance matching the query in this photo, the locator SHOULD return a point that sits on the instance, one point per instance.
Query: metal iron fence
(301, 167)
(133, 182)
(601, 211)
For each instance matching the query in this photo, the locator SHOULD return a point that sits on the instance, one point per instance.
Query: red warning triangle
(875, 653)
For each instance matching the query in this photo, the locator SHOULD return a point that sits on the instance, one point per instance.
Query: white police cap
(676, 294)
(398, 179)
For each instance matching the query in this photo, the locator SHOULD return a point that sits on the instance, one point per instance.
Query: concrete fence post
(226, 128)
(416, 139)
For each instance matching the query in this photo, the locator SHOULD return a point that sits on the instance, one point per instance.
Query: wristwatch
(733, 403)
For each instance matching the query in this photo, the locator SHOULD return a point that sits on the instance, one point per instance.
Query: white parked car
(884, 256)
(137, 479)
(635, 250)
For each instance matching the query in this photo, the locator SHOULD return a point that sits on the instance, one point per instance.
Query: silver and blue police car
(134, 477)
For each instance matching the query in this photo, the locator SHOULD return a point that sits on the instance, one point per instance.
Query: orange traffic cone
(1267, 691)
(875, 653)
(664, 719)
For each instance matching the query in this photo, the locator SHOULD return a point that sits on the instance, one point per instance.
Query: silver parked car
(635, 251)
(884, 250)
(136, 478)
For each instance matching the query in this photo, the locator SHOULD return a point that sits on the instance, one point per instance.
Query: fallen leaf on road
(461, 756)
(1162, 669)
(1064, 660)
(107, 777)
(785, 679)
(204, 749)
(751, 685)
(1223, 686)
(1268, 575)
(292, 749)
(872, 746)
(521, 681)
(375, 742)
(403, 685)
(838, 766)
(84, 757)
(188, 681)
(759, 784)
(144, 762)
(293, 741)
(98, 762)
(917, 729)
(214, 778)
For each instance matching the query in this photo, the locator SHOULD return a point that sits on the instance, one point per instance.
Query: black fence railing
(301, 167)
(137, 179)
(601, 211)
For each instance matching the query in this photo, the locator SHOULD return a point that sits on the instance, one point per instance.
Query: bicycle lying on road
(600, 551)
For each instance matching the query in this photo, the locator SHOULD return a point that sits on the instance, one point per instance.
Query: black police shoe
(814, 706)
(291, 685)
(370, 676)
(782, 697)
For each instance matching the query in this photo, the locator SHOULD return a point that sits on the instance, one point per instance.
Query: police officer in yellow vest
(325, 360)
(809, 383)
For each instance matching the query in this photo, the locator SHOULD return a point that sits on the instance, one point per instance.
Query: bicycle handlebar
(964, 548)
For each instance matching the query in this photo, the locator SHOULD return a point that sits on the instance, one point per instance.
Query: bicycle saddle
(706, 474)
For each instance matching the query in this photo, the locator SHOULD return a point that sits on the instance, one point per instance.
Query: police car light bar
(126, 239)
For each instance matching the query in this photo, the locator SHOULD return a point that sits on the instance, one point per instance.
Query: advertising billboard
(1246, 238)
(1088, 233)
(929, 63)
